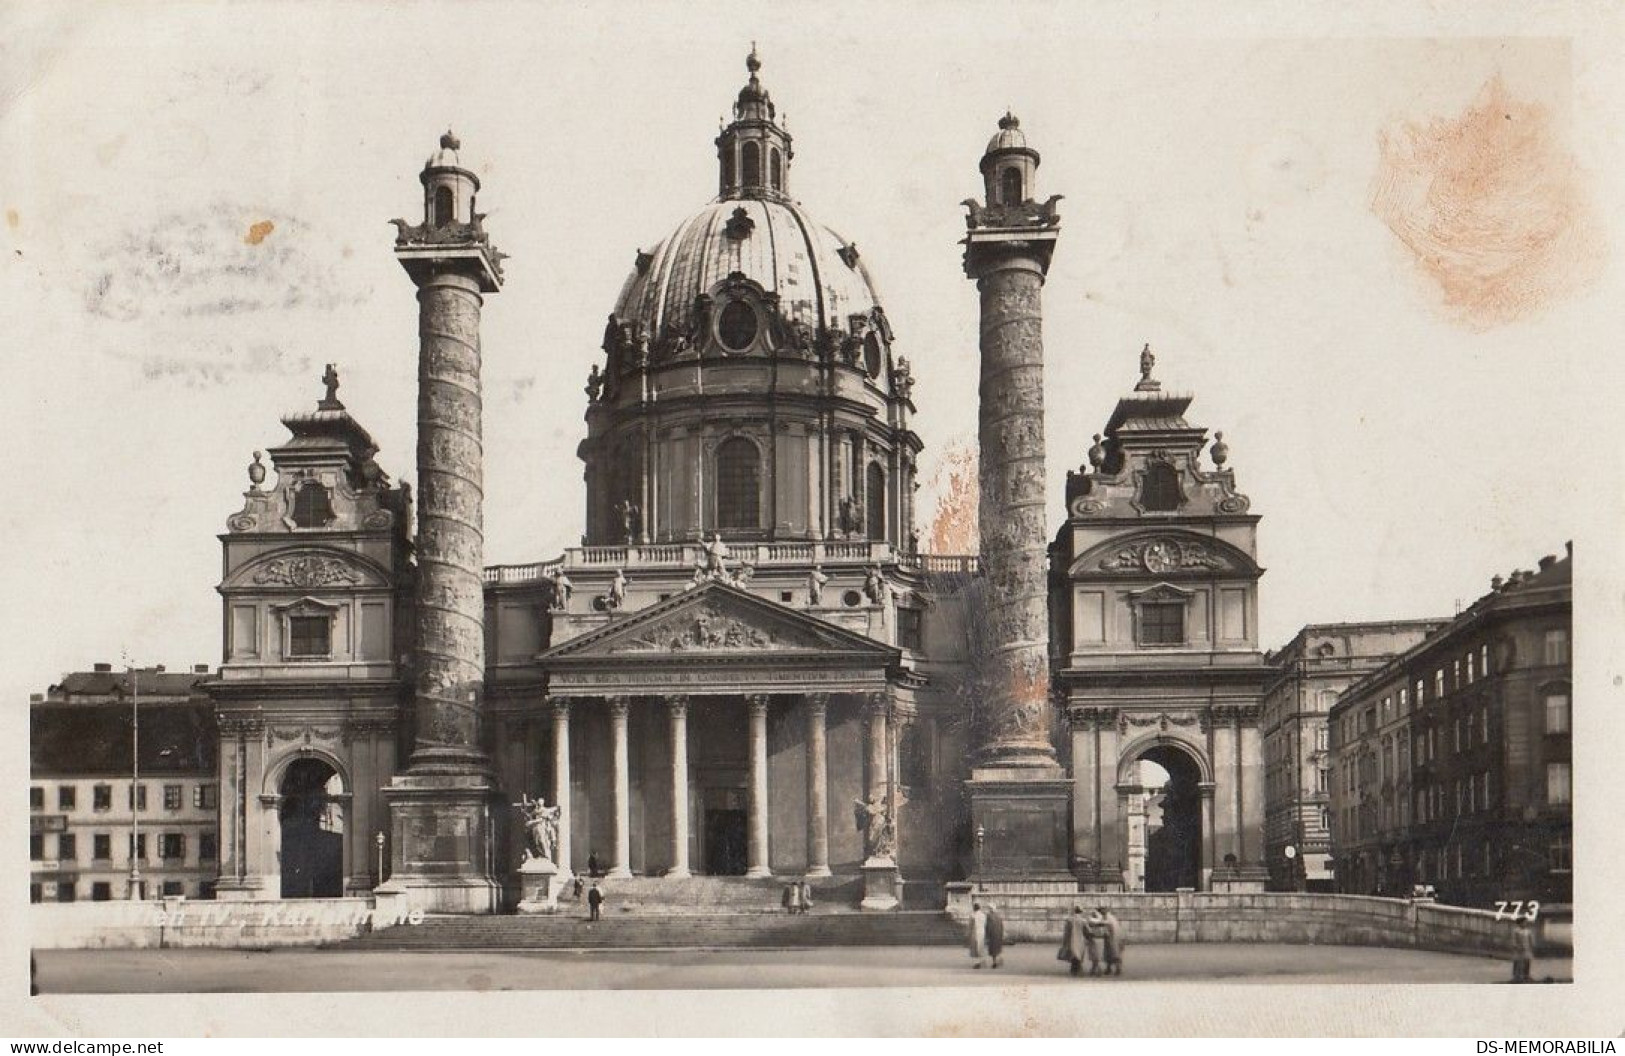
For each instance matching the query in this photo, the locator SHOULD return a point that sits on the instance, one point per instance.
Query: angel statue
(541, 827)
(875, 822)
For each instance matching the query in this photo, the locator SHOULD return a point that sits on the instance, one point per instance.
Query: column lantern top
(452, 236)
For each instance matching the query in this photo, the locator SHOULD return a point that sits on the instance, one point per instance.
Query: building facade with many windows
(1453, 761)
(1306, 677)
(90, 819)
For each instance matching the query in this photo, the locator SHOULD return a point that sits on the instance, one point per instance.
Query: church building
(748, 669)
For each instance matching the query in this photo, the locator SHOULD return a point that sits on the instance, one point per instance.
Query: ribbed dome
(816, 274)
(1009, 136)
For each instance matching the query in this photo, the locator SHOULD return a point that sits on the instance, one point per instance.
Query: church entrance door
(1173, 824)
(725, 832)
(312, 816)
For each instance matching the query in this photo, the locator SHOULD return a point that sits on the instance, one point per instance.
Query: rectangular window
(173, 888)
(136, 797)
(1471, 676)
(101, 891)
(206, 849)
(1458, 733)
(1323, 780)
(1438, 684)
(1162, 623)
(1558, 779)
(1320, 738)
(309, 636)
(138, 845)
(66, 797)
(1561, 854)
(1421, 693)
(67, 847)
(908, 629)
(102, 846)
(36, 798)
(1404, 700)
(1484, 660)
(36, 892)
(1557, 713)
(65, 891)
(205, 797)
(36, 846)
(172, 797)
(102, 797)
(1557, 646)
(172, 845)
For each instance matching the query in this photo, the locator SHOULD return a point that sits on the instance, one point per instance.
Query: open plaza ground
(318, 970)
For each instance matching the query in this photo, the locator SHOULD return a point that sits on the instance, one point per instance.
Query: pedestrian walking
(1094, 935)
(976, 940)
(1523, 951)
(791, 899)
(1114, 942)
(595, 902)
(580, 886)
(592, 863)
(995, 934)
(806, 896)
(1072, 941)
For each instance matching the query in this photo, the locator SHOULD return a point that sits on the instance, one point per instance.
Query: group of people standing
(1097, 939)
(798, 897)
(1087, 938)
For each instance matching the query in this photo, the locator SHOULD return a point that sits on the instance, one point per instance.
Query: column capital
(676, 703)
(878, 703)
(618, 706)
(758, 703)
(560, 706)
(817, 704)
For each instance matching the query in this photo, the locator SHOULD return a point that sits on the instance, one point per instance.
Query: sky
(1400, 328)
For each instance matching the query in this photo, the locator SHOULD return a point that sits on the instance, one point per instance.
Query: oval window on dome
(736, 326)
(871, 355)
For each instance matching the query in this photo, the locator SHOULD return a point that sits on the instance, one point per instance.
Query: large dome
(817, 275)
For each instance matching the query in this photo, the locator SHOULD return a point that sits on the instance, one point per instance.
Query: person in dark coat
(1072, 941)
(995, 934)
(592, 863)
(1114, 942)
(595, 902)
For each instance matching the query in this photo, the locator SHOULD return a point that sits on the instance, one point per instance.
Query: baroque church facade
(749, 668)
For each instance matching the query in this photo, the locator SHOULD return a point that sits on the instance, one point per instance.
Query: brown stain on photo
(258, 232)
(954, 528)
(13, 220)
(1491, 206)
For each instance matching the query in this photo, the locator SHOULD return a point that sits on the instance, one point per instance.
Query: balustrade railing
(684, 555)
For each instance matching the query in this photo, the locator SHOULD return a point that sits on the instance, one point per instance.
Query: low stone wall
(177, 922)
(1190, 916)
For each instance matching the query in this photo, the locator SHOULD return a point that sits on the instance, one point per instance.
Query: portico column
(620, 864)
(879, 711)
(1210, 850)
(561, 781)
(817, 786)
(756, 863)
(677, 711)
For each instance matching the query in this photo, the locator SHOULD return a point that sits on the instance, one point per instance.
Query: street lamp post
(135, 892)
(379, 840)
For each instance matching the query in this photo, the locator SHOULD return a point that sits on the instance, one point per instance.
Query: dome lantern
(1009, 165)
(753, 152)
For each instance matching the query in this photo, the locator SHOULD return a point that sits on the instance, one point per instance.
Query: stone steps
(712, 894)
(648, 930)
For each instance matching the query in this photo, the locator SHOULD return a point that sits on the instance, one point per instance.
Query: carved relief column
(756, 860)
(620, 865)
(561, 780)
(677, 711)
(817, 785)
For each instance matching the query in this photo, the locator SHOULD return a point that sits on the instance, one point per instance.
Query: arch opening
(444, 207)
(1165, 849)
(1010, 186)
(311, 813)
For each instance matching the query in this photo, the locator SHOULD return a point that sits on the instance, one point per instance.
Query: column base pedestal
(819, 871)
(248, 889)
(1022, 821)
(759, 872)
(882, 886)
(539, 884)
(678, 874)
(1239, 879)
(442, 842)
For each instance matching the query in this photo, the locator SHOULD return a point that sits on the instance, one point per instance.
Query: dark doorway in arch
(312, 815)
(1173, 841)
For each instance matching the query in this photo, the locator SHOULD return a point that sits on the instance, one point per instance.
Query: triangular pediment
(718, 620)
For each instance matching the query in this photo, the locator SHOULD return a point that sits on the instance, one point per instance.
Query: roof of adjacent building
(67, 740)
